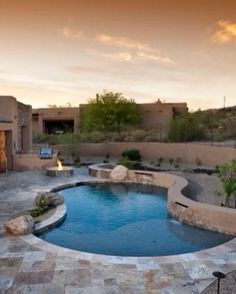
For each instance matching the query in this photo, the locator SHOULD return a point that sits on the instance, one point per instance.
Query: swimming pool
(125, 220)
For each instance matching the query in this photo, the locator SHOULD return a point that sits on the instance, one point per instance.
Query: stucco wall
(24, 120)
(207, 216)
(209, 155)
(33, 162)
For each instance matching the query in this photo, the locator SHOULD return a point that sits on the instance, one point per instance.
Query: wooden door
(2, 152)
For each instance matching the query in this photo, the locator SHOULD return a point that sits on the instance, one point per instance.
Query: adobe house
(54, 120)
(15, 130)
(156, 116)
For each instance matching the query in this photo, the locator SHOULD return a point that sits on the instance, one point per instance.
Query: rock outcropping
(20, 225)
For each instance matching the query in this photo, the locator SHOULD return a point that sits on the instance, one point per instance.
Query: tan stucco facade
(15, 129)
(156, 115)
(42, 115)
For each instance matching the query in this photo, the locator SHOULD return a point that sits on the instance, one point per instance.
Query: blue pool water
(125, 220)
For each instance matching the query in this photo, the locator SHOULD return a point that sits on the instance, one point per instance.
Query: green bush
(132, 154)
(109, 111)
(41, 208)
(127, 162)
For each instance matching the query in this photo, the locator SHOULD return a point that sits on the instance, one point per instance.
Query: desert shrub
(41, 207)
(126, 162)
(46, 139)
(78, 164)
(227, 175)
(198, 161)
(137, 135)
(186, 127)
(171, 161)
(132, 154)
(93, 137)
(158, 161)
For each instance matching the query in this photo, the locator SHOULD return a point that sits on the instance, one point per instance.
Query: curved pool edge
(147, 262)
(194, 213)
(58, 216)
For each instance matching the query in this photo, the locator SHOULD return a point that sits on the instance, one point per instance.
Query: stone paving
(31, 265)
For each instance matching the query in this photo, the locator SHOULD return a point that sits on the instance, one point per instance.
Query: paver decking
(30, 265)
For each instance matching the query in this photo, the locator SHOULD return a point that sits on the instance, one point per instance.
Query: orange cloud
(138, 57)
(226, 32)
(140, 51)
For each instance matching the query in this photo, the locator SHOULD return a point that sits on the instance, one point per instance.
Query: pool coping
(149, 262)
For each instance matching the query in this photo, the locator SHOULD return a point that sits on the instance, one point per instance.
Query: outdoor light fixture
(219, 276)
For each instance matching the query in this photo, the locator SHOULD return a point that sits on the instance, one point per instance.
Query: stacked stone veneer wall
(216, 218)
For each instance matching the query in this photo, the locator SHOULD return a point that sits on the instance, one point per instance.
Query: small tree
(109, 112)
(227, 175)
(71, 141)
(186, 127)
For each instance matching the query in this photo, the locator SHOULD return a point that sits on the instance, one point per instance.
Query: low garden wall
(188, 153)
(33, 162)
(212, 217)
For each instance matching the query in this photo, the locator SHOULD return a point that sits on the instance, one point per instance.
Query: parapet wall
(211, 217)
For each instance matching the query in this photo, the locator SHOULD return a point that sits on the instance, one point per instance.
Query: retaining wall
(207, 216)
(188, 153)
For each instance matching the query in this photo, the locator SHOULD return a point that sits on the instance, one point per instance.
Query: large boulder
(119, 173)
(51, 199)
(20, 225)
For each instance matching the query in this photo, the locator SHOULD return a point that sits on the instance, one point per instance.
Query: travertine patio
(29, 266)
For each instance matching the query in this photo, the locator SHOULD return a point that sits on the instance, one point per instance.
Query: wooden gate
(2, 152)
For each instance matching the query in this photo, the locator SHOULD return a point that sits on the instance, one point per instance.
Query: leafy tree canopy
(109, 112)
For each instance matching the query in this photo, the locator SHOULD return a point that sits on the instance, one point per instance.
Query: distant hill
(220, 122)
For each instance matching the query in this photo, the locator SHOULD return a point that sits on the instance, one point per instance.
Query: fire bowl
(65, 171)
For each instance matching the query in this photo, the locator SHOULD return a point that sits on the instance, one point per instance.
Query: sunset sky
(54, 52)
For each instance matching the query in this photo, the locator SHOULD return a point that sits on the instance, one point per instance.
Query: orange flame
(59, 165)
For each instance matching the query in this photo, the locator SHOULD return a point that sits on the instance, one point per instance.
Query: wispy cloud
(138, 51)
(226, 33)
(128, 50)
(36, 82)
(154, 57)
(122, 42)
(70, 33)
(121, 56)
(139, 57)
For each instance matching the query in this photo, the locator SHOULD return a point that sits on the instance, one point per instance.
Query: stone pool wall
(203, 215)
